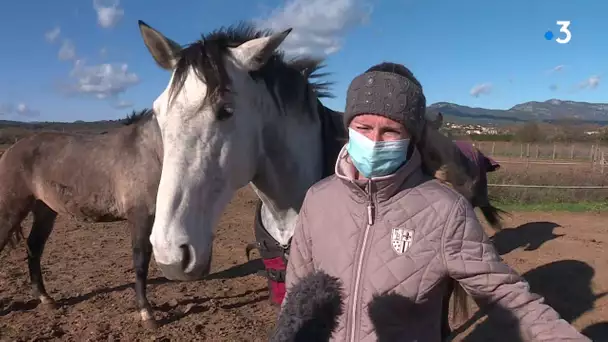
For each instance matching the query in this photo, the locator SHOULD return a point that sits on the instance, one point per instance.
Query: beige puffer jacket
(408, 233)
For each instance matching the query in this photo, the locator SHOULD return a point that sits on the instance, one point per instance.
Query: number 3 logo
(564, 29)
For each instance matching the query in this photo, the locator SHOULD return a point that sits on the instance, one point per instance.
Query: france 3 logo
(563, 28)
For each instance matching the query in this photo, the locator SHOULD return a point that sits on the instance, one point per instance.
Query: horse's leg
(461, 307)
(141, 228)
(446, 330)
(10, 229)
(13, 211)
(44, 219)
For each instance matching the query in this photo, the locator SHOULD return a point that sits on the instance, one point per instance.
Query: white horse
(235, 112)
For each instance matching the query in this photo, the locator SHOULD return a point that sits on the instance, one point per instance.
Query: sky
(71, 60)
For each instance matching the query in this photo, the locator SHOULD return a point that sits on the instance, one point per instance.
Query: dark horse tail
(493, 215)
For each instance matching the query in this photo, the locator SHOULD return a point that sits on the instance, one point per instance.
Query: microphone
(388, 313)
(311, 309)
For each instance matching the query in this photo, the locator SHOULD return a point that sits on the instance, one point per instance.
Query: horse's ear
(255, 53)
(436, 124)
(164, 50)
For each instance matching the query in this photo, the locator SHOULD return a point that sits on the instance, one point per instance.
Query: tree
(529, 132)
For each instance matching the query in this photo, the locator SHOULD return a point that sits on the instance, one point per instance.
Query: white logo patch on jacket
(401, 239)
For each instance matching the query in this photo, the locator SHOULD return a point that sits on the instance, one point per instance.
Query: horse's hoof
(50, 305)
(48, 302)
(150, 324)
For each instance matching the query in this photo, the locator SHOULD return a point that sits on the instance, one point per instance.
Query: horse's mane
(136, 116)
(292, 79)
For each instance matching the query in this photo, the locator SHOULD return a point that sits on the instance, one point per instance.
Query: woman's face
(379, 128)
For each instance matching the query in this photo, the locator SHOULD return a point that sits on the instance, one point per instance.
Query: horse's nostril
(187, 256)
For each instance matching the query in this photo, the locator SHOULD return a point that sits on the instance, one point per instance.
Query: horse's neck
(292, 161)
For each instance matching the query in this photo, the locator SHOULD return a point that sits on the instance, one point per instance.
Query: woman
(383, 224)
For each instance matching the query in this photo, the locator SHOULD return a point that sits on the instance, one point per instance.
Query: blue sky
(85, 60)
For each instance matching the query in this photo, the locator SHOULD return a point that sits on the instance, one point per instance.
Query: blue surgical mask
(376, 158)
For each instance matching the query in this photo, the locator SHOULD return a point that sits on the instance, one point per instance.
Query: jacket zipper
(370, 221)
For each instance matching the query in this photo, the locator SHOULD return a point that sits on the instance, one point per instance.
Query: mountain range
(548, 111)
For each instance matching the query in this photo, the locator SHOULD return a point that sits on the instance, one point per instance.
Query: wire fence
(591, 156)
(544, 151)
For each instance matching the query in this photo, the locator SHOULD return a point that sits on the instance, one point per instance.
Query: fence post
(521, 151)
(537, 151)
(603, 161)
(572, 152)
(591, 152)
(527, 155)
(493, 147)
(554, 147)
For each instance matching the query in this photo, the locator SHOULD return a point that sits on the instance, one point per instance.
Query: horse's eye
(225, 112)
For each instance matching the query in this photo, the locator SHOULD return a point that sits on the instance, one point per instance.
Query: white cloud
(319, 26)
(102, 81)
(52, 35)
(109, 12)
(23, 109)
(590, 83)
(67, 51)
(103, 52)
(19, 109)
(553, 87)
(558, 68)
(483, 88)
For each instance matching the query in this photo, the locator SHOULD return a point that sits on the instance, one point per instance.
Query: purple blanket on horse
(486, 163)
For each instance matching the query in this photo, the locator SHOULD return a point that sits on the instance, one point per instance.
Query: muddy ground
(87, 268)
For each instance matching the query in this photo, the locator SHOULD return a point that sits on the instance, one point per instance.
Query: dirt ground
(87, 268)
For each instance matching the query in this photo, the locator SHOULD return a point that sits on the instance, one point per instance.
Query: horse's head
(209, 117)
(223, 92)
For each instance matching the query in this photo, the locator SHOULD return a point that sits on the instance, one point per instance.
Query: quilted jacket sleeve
(300, 251)
(472, 260)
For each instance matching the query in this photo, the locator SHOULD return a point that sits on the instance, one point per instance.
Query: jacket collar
(385, 187)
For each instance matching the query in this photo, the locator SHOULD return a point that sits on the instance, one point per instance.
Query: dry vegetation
(11, 131)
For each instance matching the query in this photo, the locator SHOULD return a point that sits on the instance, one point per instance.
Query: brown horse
(479, 165)
(100, 178)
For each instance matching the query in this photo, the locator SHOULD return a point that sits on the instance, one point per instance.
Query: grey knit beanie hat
(388, 94)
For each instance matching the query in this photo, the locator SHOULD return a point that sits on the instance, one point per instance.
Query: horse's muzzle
(187, 269)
